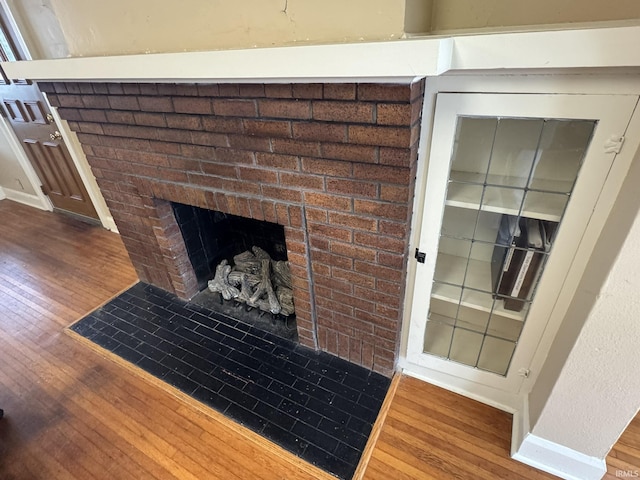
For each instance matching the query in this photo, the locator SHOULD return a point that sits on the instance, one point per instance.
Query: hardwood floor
(72, 413)
(623, 460)
(431, 433)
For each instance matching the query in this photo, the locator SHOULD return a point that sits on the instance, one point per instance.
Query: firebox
(241, 267)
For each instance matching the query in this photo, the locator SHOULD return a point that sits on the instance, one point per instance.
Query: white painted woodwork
(612, 114)
(395, 61)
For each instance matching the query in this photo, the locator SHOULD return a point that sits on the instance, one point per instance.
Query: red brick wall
(333, 163)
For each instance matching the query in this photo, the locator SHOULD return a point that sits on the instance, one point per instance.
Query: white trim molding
(84, 170)
(2, 194)
(398, 60)
(24, 198)
(391, 61)
(559, 460)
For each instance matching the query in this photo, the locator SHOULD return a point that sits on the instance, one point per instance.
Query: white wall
(96, 27)
(39, 27)
(12, 175)
(448, 15)
(588, 393)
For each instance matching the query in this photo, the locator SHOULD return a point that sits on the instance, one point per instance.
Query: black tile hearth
(315, 405)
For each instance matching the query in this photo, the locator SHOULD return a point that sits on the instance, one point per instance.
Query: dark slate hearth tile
(328, 411)
(128, 353)
(208, 333)
(314, 391)
(289, 393)
(300, 412)
(127, 327)
(302, 373)
(347, 454)
(263, 394)
(315, 405)
(273, 415)
(198, 362)
(234, 344)
(228, 378)
(211, 398)
(285, 439)
(105, 341)
(107, 330)
(177, 365)
(326, 370)
(243, 359)
(359, 426)
(265, 356)
(178, 309)
(216, 356)
(154, 367)
(180, 382)
(121, 303)
(151, 351)
(246, 417)
(377, 384)
(126, 339)
(369, 402)
(206, 380)
(277, 374)
(328, 462)
(147, 338)
(340, 389)
(252, 343)
(83, 328)
(216, 347)
(315, 437)
(238, 397)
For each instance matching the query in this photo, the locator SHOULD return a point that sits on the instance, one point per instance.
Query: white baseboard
(24, 198)
(2, 194)
(520, 425)
(499, 399)
(109, 224)
(559, 460)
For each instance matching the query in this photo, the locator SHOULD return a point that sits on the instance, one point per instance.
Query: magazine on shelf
(521, 247)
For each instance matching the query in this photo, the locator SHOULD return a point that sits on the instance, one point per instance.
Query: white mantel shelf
(400, 60)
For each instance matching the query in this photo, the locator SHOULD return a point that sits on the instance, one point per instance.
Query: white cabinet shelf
(543, 184)
(508, 198)
(450, 269)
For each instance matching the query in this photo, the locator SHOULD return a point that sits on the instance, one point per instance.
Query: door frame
(569, 83)
(41, 200)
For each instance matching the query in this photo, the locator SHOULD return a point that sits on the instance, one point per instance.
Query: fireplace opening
(241, 267)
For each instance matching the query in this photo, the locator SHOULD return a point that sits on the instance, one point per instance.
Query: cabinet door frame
(613, 113)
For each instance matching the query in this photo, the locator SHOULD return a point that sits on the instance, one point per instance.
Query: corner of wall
(417, 16)
(603, 259)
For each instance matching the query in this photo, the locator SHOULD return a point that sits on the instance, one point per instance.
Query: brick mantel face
(333, 163)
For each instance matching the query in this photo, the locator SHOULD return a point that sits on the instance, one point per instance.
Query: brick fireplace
(334, 164)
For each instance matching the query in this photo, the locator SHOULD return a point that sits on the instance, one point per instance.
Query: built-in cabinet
(511, 183)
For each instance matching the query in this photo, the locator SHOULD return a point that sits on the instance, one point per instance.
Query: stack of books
(518, 257)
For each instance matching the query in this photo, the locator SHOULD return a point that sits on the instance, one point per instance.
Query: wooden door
(26, 110)
(534, 159)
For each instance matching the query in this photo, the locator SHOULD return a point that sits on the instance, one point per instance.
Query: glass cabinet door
(509, 183)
